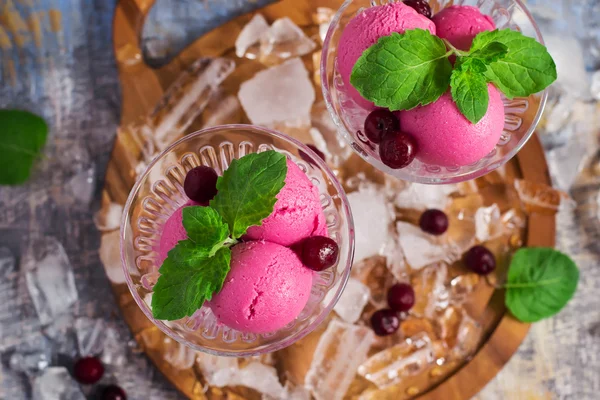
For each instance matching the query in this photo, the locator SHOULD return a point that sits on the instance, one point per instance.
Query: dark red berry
(385, 322)
(434, 222)
(113, 392)
(88, 370)
(318, 252)
(379, 122)
(397, 149)
(480, 260)
(420, 6)
(401, 297)
(200, 184)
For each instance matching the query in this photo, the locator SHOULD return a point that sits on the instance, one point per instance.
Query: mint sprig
(247, 190)
(22, 136)
(402, 71)
(541, 281)
(197, 267)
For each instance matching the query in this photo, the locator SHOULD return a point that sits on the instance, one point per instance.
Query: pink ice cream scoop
(446, 138)
(365, 29)
(266, 288)
(460, 24)
(173, 231)
(297, 213)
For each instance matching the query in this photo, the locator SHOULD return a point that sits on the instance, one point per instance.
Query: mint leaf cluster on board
(197, 267)
(402, 71)
(22, 136)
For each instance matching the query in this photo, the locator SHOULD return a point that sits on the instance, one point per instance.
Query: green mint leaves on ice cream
(196, 268)
(402, 71)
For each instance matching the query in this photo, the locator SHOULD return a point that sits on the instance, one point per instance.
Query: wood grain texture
(143, 86)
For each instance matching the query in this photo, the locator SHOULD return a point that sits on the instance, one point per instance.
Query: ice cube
(56, 384)
(420, 197)
(431, 293)
(541, 198)
(250, 35)
(461, 333)
(350, 305)
(596, 85)
(178, 355)
(341, 349)
(420, 249)
(217, 371)
(284, 40)
(488, 224)
(108, 218)
(324, 126)
(62, 336)
(401, 361)
(394, 258)
(222, 110)
(186, 98)
(322, 17)
(261, 378)
(283, 93)
(12, 386)
(80, 188)
(462, 285)
(372, 218)
(294, 392)
(111, 257)
(49, 277)
(374, 273)
(90, 336)
(30, 362)
(114, 349)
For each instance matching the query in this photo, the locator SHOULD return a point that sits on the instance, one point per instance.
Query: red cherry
(88, 370)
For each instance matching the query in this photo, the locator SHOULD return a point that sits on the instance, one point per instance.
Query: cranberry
(318, 252)
(385, 322)
(420, 6)
(434, 222)
(397, 149)
(113, 392)
(200, 184)
(88, 370)
(379, 122)
(401, 297)
(480, 260)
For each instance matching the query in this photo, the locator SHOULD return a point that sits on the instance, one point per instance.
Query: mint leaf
(470, 93)
(22, 136)
(491, 52)
(181, 289)
(248, 188)
(540, 283)
(526, 68)
(402, 71)
(205, 228)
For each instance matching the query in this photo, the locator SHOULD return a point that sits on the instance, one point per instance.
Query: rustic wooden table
(56, 59)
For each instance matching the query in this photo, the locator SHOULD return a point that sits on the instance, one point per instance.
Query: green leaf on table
(182, 288)
(205, 228)
(402, 71)
(247, 190)
(470, 93)
(22, 136)
(526, 68)
(541, 281)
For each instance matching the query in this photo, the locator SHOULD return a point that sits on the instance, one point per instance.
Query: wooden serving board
(142, 88)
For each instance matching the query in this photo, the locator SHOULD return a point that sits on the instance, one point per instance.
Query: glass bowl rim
(378, 164)
(345, 205)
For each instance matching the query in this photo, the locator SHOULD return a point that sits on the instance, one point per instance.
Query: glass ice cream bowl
(521, 114)
(159, 191)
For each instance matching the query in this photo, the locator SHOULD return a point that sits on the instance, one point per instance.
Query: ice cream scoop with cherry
(250, 243)
(433, 84)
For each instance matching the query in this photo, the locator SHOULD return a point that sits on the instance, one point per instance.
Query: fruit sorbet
(267, 286)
